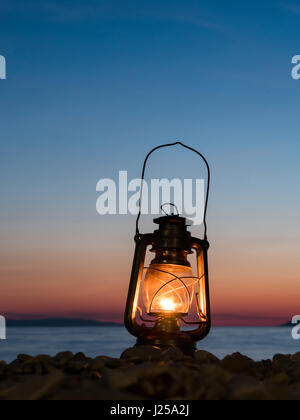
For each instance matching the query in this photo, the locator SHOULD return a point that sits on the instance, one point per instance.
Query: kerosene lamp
(168, 304)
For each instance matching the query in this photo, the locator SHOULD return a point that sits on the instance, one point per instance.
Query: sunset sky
(91, 87)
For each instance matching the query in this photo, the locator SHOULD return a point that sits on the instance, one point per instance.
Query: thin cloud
(74, 12)
(294, 8)
(187, 20)
(245, 317)
(66, 11)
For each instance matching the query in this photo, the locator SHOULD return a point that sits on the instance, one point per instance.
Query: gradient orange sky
(69, 273)
(90, 90)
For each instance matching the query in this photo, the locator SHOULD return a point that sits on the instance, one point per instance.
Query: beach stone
(98, 366)
(171, 354)
(78, 363)
(61, 359)
(103, 363)
(34, 388)
(204, 357)
(294, 375)
(237, 363)
(295, 389)
(296, 357)
(121, 380)
(3, 370)
(214, 382)
(96, 375)
(278, 387)
(79, 357)
(107, 362)
(15, 367)
(152, 380)
(281, 379)
(284, 362)
(37, 365)
(141, 354)
(76, 366)
(24, 358)
(243, 388)
(260, 370)
(44, 359)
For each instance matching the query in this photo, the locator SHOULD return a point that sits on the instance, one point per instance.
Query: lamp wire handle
(171, 205)
(178, 143)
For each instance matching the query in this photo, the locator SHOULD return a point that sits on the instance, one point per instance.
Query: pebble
(147, 372)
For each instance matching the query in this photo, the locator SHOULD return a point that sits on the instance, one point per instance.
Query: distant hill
(58, 322)
(289, 324)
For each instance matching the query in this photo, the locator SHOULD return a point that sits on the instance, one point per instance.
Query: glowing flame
(168, 288)
(167, 305)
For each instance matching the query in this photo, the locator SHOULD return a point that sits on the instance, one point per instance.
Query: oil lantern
(168, 299)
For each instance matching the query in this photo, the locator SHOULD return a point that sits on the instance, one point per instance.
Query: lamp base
(166, 333)
(183, 342)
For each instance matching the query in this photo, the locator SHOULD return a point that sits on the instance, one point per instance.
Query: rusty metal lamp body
(168, 288)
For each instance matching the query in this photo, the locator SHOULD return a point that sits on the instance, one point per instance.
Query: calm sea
(257, 343)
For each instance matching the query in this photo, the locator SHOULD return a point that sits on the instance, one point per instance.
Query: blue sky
(93, 85)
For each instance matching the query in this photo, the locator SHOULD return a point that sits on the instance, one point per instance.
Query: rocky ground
(150, 373)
